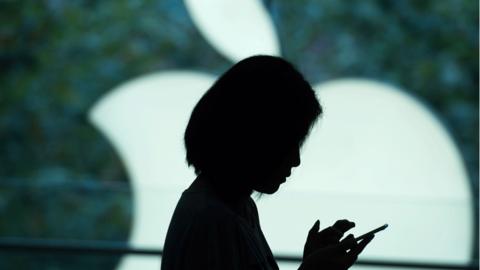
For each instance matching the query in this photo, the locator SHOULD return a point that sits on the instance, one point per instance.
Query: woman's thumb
(315, 228)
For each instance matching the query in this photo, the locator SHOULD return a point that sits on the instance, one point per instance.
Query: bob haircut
(252, 115)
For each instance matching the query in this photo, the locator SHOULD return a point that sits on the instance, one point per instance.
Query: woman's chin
(270, 188)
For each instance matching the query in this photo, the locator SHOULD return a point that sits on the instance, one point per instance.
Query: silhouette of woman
(245, 135)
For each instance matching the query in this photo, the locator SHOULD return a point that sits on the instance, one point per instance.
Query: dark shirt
(208, 233)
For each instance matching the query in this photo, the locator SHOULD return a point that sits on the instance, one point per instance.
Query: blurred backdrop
(63, 176)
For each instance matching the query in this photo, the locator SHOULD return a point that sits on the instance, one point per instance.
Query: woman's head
(248, 127)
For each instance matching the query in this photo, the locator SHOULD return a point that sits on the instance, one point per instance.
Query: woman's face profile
(267, 176)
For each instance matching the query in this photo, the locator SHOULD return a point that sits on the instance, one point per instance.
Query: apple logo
(377, 156)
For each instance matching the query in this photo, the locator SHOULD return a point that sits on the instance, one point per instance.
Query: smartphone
(381, 228)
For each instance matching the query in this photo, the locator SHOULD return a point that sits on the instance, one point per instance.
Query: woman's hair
(257, 110)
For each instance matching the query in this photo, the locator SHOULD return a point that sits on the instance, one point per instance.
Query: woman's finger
(356, 250)
(315, 228)
(331, 235)
(343, 225)
(347, 244)
(361, 246)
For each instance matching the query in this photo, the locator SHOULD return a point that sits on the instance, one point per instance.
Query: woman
(245, 135)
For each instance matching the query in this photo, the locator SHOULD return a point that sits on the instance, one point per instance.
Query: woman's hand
(327, 237)
(335, 257)
(324, 250)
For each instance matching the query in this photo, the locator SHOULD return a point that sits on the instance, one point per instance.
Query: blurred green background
(60, 178)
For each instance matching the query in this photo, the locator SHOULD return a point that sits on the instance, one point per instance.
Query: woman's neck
(227, 188)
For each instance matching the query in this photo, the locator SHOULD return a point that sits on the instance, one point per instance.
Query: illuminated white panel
(237, 29)
(377, 156)
(386, 138)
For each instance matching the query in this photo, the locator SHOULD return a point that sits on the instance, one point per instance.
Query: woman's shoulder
(201, 228)
(204, 207)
